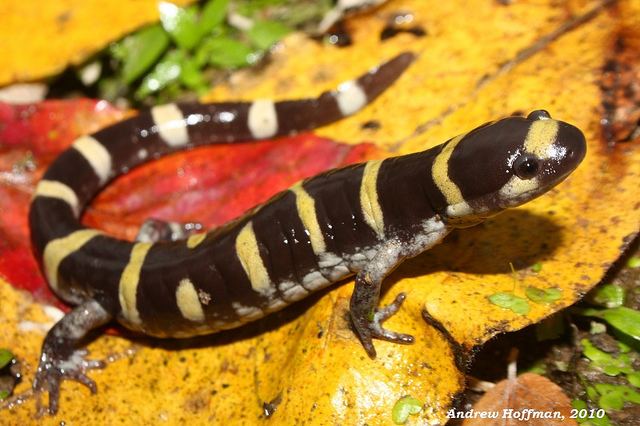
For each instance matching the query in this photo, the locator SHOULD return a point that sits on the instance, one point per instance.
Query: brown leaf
(528, 399)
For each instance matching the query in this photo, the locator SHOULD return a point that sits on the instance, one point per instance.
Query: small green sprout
(608, 295)
(5, 357)
(510, 301)
(403, 408)
(546, 296)
(634, 262)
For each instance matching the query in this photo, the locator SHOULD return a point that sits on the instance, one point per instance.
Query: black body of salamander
(363, 219)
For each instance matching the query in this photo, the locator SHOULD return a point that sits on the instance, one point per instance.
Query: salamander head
(507, 163)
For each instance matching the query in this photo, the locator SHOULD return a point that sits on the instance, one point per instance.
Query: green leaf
(611, 401)
(403, 408)
(613, 397)
(138, 52)
(633, 262)
(634, 378)
(5, 357)
(608, 295)
(610, 365)
(181, 24)
(291, 12)
(192, 77)
(212, 15)
(592, 393)
(3, 394)
(623, 319)
(596, 421)
(264, 34)
(165, 72)
(510, 301)
(593, 353)
(111, 88)
(579, 404)
(226, 52)
(169, 93)
(536, 267)
(539, 295)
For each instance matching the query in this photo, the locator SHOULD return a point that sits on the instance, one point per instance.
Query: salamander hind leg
(62, 359)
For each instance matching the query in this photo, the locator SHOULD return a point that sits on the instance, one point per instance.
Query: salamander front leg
(366, 317)
(61, 358)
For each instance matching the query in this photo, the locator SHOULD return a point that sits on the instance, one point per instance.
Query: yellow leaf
(41, 38)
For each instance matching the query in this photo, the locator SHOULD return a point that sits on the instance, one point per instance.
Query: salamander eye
(539, 114)
(526, 166)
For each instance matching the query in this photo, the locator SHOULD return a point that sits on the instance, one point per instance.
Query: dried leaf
(528, 399)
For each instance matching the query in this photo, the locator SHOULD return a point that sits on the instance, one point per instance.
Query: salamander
(362, 220)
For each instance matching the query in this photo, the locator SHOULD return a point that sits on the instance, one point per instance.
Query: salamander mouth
(523, 197)
(533, 193)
